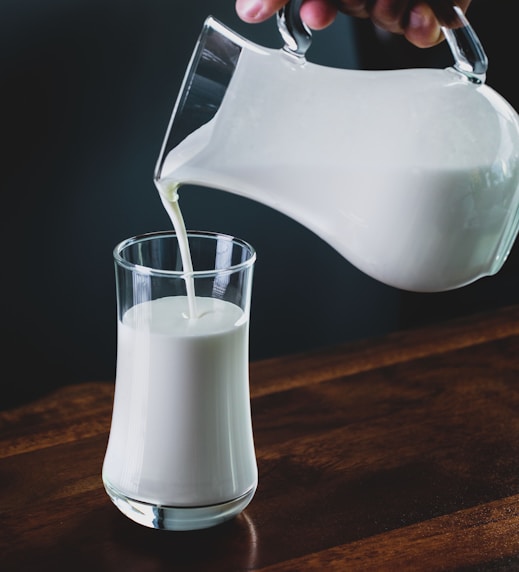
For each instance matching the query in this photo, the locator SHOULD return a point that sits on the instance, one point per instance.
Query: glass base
(178, 518)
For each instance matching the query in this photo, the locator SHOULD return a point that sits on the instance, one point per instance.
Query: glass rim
(150, 270)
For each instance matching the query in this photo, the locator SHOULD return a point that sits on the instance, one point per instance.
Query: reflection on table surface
(394, 453)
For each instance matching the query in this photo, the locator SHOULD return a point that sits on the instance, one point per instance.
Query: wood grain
(399, 453)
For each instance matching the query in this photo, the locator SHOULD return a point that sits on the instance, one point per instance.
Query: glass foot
(177, 518)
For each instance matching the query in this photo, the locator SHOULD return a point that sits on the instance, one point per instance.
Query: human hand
(418, 20)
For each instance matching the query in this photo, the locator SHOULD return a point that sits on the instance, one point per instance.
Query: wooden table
(400, 453)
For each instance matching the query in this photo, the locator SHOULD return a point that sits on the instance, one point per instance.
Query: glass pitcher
(411, 175)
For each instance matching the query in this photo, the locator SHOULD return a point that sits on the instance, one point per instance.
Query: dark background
(87, 89)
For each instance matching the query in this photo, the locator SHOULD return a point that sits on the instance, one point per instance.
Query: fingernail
(250, 10)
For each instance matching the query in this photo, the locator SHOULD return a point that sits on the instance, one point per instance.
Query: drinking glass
(180, 454)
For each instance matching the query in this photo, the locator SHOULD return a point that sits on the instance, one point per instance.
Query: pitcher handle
(295, 33)
(469, 56)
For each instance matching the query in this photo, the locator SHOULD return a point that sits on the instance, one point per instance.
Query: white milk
(181, 431)
(411, 175)
(169, 198)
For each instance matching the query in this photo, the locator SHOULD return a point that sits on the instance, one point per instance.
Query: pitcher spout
(205, 83)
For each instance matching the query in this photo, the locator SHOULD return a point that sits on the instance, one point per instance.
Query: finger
(423, 26)
(318, 14)
(254, 11)
(391, 15)
(423, 29)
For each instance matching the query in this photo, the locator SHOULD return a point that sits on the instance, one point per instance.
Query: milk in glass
(181, 431)
(181, 453)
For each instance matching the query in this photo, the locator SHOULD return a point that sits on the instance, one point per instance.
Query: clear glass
(180, 454)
